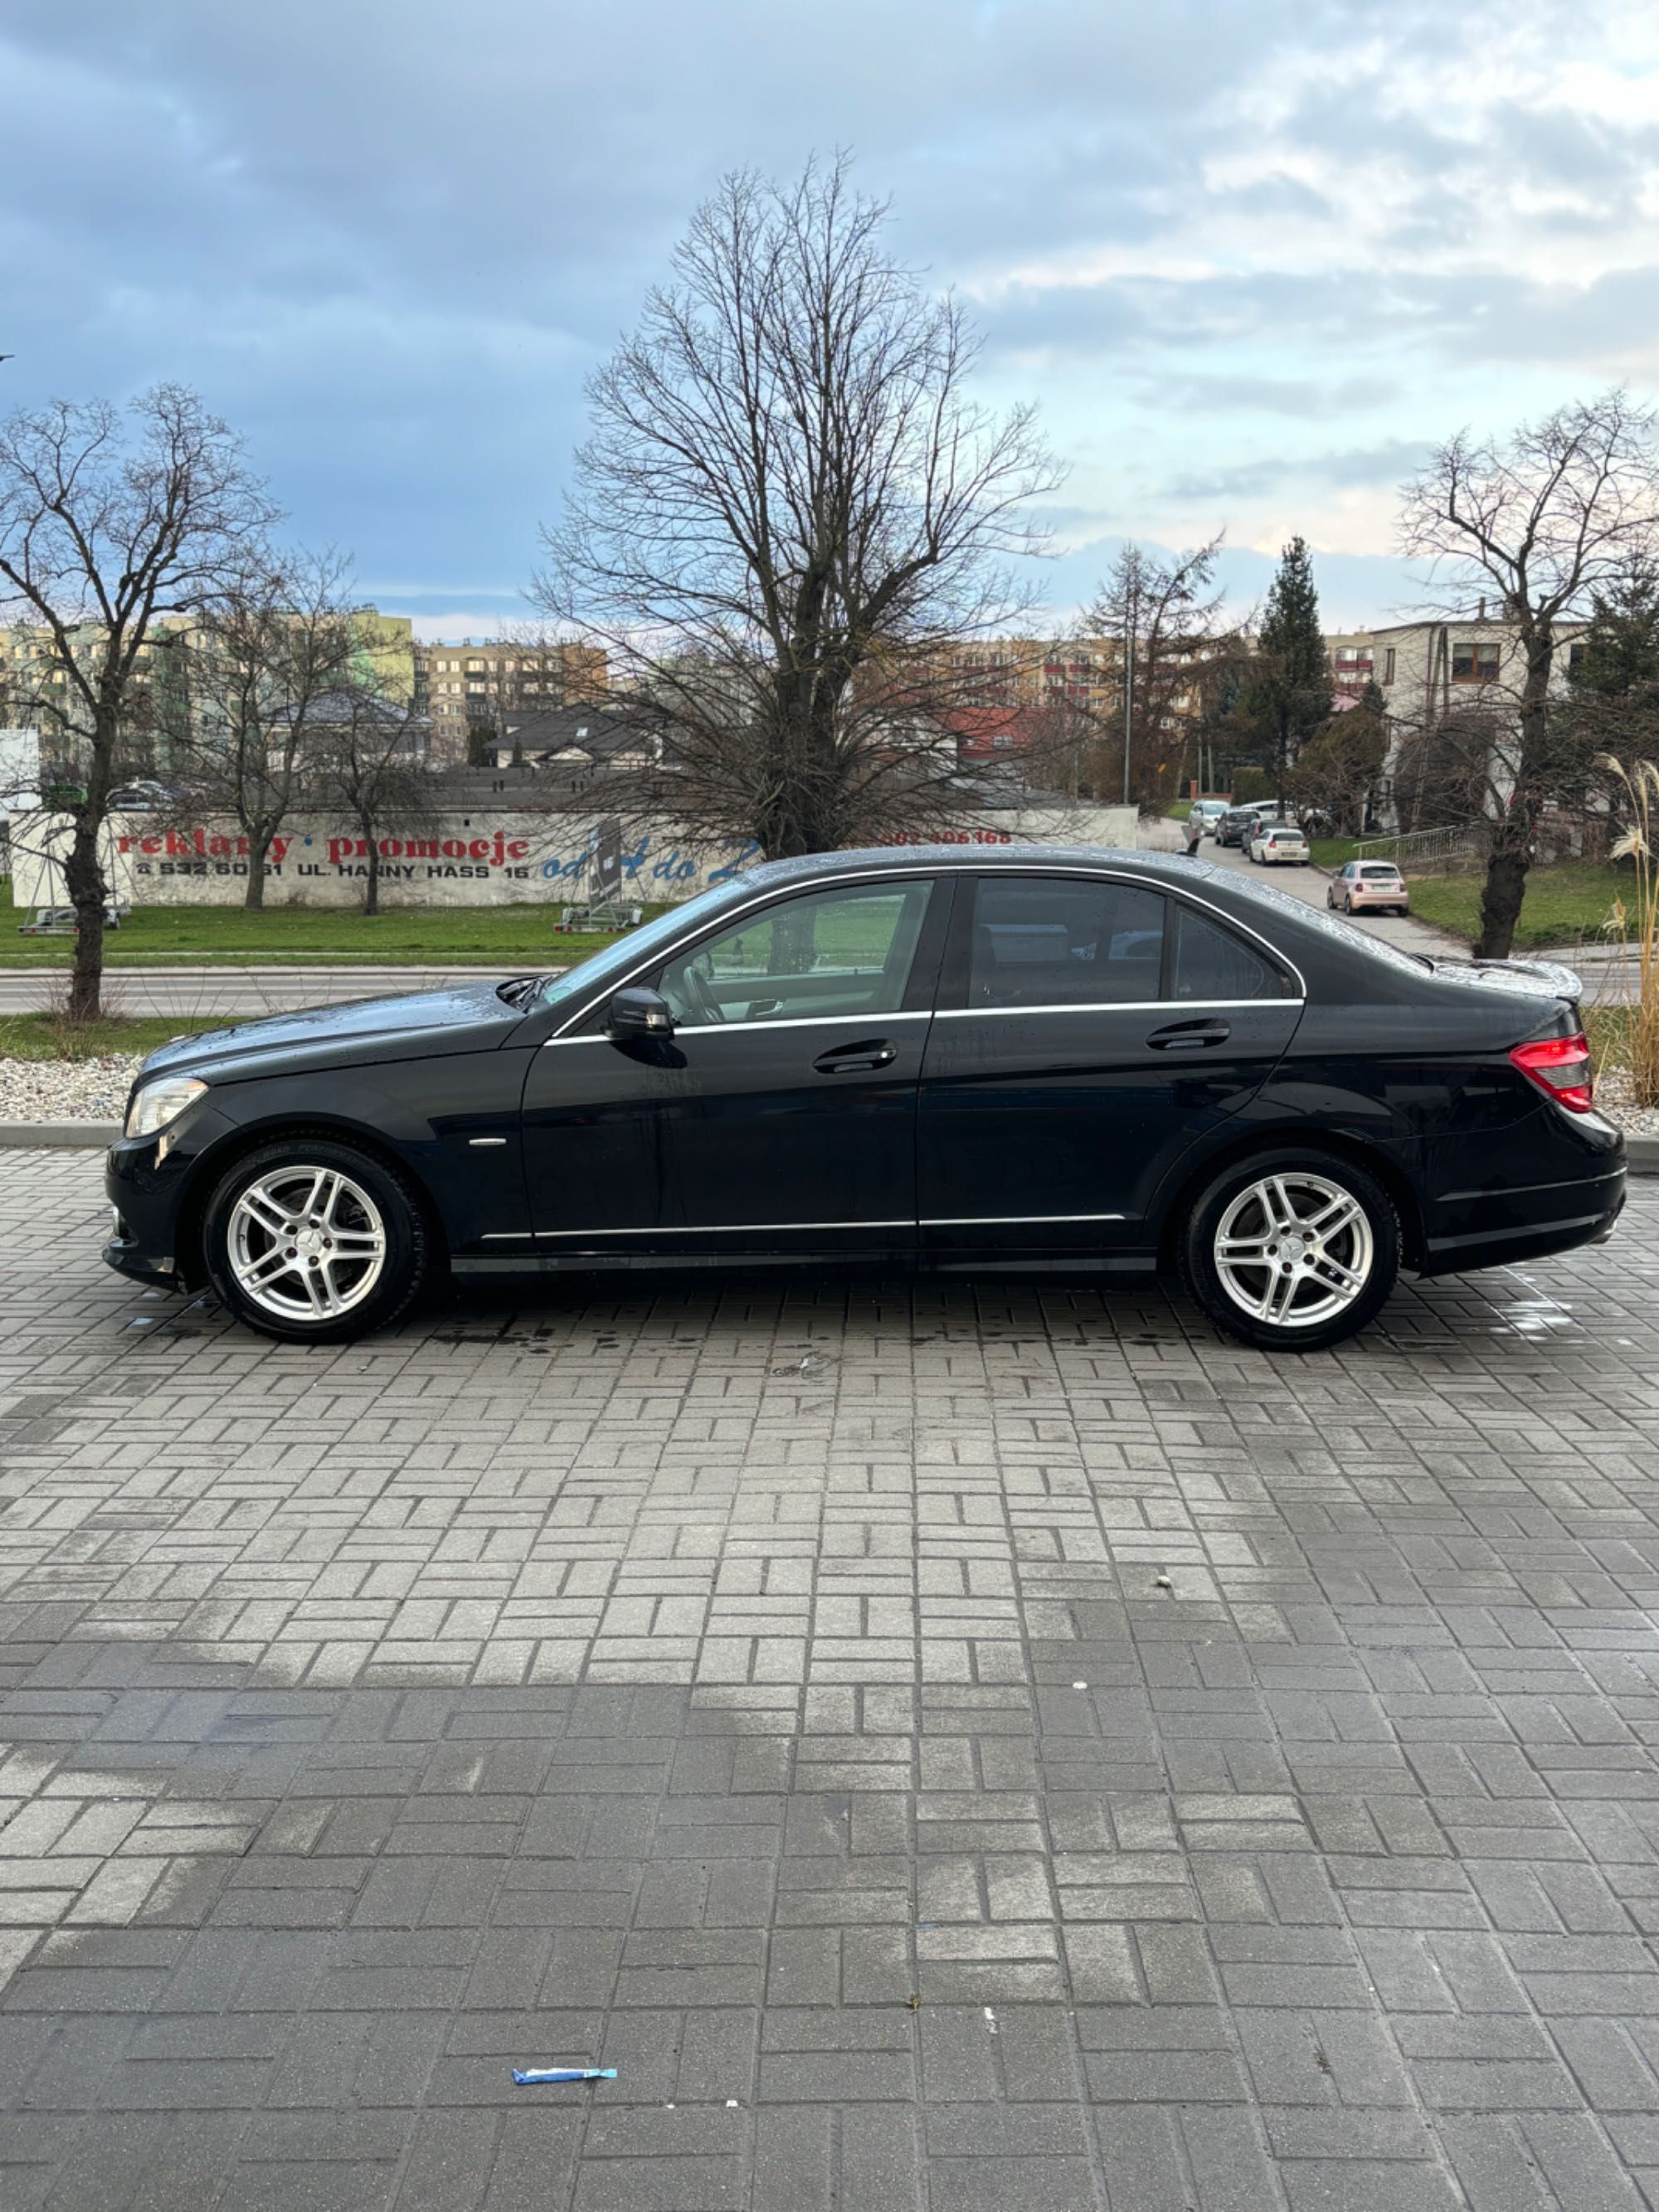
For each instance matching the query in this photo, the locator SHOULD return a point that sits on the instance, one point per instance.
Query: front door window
(833, 955)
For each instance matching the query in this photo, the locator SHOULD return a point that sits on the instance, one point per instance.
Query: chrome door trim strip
(724, 1227)
(773, 1228)
(1008, 1220)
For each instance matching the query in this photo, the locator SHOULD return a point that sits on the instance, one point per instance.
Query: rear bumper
(1529, 1224)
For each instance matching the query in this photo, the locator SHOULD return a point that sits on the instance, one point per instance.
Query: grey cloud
(1343, 470)
(388, 238)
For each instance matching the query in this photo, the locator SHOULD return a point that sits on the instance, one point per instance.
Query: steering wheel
(704, 1005)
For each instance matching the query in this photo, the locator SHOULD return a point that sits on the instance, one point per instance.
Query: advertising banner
(475, 860)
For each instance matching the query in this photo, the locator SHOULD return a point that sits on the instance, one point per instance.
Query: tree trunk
(1512, 846)
(372, 886)
(1504, 889)
(84, 880)
(257, 846)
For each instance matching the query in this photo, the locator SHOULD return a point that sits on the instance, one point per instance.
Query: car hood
(461, 1017)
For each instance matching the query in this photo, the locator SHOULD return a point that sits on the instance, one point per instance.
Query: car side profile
(1369, 887)
(1036, 1059)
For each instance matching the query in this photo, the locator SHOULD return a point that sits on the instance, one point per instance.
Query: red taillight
(1561, 1066)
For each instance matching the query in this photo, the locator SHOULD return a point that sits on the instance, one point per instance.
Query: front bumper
(148, 1181)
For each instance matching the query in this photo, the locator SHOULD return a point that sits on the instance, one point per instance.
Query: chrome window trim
(793, 1022)
(1109, 1006)
(967, 866)
(731, 914)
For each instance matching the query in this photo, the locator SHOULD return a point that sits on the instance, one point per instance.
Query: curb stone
(76, 1136)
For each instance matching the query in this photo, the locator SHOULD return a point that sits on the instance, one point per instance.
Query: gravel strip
(1612, 1097)
(96, 1091)
(67, 1089)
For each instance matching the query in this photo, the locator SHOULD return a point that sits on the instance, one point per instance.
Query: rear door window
(1055, 941)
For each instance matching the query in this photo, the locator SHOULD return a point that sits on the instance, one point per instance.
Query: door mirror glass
(637, 1013)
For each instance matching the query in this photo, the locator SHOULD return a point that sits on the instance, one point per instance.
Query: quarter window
(1210, 962)
(1049, 942)
(831, 954)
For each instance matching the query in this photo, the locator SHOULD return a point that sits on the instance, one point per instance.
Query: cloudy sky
(1249, 259)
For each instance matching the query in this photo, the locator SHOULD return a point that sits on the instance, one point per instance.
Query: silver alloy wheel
(306, 1243)
(1294, 1249)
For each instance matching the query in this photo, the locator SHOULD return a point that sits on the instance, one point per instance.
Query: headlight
(159, 1103)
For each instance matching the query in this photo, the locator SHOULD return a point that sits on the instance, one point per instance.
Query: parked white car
(1275, 843)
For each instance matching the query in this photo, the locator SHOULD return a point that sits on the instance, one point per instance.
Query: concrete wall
(478, 859)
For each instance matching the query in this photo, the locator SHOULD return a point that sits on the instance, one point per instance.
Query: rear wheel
(313, 1241)
(1291, 1250)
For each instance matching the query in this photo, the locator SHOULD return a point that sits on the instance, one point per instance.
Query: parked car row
(1270, 838)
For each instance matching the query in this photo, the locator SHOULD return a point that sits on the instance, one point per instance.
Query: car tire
(358, 1262)
(1236, 1213)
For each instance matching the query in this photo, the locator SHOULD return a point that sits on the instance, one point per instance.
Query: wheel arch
(1334, 1143)
(189, 1255)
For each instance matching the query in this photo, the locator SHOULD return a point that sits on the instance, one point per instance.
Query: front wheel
(1291, 1250)
(314, 1242)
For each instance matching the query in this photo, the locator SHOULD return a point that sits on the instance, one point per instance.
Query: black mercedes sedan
(945, 1057)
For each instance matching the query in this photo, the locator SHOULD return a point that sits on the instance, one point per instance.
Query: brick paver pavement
(949, 1750)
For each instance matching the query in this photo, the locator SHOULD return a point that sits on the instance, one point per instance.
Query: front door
(779, 1119)
(1089, 1032)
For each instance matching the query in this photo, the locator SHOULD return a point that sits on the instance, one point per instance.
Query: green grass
(1609, 1030)
(1567, 903)
(1333, 851)
(492, 936)
(48, 1036)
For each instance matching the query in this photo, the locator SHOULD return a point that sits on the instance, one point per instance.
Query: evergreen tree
(1286, 694)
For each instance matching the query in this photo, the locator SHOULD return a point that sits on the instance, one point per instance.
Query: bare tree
(274, 650)
(1537, 526)
(788, 509)
(1176, 642)
(109, 521)
(367, 756)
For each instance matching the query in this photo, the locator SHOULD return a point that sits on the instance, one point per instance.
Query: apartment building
(467, 688)
(1034, 672)
(1430, 670)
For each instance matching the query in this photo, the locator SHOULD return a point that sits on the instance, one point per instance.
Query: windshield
(616, 959)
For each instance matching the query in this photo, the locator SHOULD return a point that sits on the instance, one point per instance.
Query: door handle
(1189, 1036)
(856, 1059)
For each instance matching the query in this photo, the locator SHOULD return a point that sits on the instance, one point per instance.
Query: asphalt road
(1311, 883)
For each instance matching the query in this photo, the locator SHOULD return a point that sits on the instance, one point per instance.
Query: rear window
(1380, 875)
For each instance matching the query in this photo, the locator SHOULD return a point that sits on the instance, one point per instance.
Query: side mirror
(637, 1013)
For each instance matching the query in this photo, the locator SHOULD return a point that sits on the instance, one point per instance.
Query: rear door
(1090, 1031)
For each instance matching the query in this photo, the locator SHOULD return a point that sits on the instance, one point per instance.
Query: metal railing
(1416, 848)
